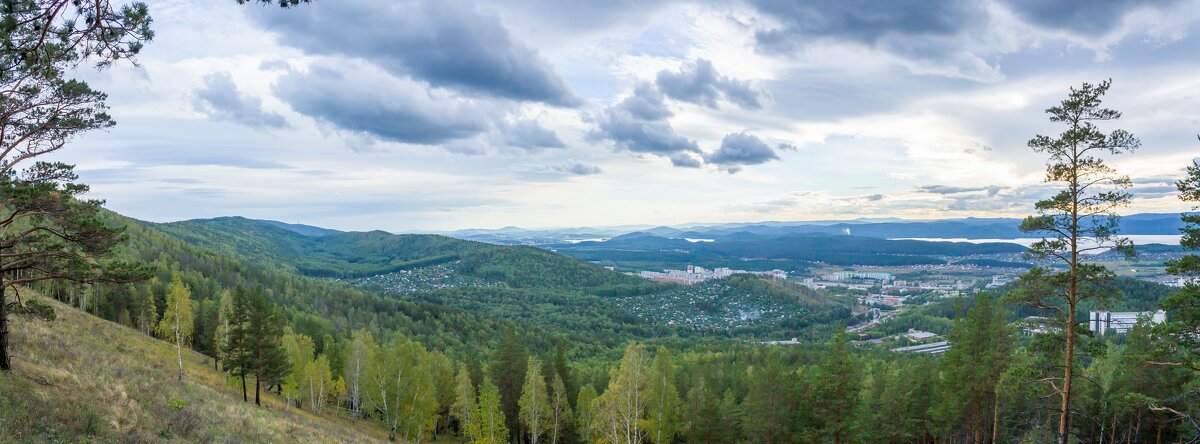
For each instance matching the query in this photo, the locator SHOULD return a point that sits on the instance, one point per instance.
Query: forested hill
(358, 254)
(780, 251)
(318, 308)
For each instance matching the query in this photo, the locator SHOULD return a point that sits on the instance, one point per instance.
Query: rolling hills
(744, 249)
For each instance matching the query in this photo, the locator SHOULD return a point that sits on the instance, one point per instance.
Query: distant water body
(1138, 239)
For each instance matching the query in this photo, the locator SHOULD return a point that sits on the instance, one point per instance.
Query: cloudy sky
(411, 115)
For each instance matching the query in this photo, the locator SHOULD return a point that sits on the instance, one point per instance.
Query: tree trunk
(257, 401)
(5, 364)
(996, 419)
(178, 346)
(244, 398)
(1064, 418)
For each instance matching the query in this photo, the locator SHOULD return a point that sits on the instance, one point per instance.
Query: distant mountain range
(887, 228)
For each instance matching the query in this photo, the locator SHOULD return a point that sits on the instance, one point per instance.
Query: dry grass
(84, 379)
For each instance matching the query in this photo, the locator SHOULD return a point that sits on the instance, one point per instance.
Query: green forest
(240, 330)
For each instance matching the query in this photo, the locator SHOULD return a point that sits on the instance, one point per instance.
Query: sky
(440, 115)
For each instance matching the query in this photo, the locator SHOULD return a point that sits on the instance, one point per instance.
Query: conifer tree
(1080, 219)
(508, 370)
(1182, 333)
(237, 347)
(534, 402)
(266, 359)
(768, 408)
(972, 368)
(177, 321)
(837, 389)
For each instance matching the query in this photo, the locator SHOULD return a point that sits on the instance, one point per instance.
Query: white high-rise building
(1122, 321)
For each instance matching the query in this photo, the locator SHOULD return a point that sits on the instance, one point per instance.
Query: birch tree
(464, 402)
(177, 321)
(662, 399)
(489, 416)
(560, 408)
(534, 401)
(623, 404)
(359, 353)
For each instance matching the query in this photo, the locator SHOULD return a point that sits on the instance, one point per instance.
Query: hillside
(361, 254)
(318, 307)
(81, 378)
(750, 250)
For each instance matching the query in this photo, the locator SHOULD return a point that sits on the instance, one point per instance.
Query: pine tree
(971, 369)
(508, 370)
(237, 348)
(1080, 219)
(177, 322)
(488, 415)
(662, 400)
(837, 390)
(48, 233)
(266, 359)
(1181, 347)
(534, 401)
(769, 408)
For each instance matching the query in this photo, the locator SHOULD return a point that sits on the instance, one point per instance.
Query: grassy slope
(81, 378)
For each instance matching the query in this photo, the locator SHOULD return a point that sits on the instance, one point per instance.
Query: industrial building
(1120, 322)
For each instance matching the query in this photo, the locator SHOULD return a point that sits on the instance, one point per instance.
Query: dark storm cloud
(639, 124)
(447, 44)
(739, 149)
(991, 190)
(865, 21)
(356, 98)
(220, 99)
(698, 82)
(530, 134)
(1086, 17)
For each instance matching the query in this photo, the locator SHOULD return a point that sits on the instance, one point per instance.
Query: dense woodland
(262, 302)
